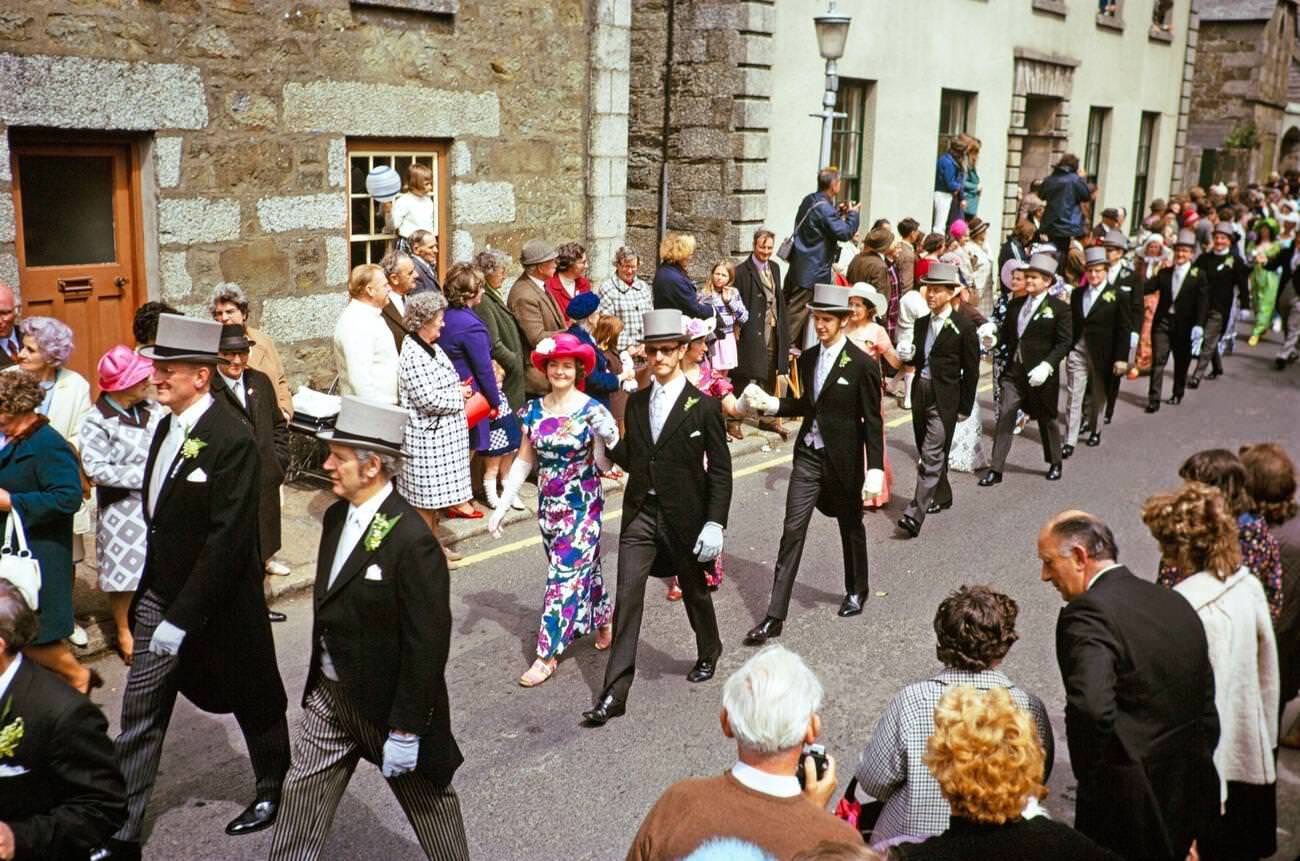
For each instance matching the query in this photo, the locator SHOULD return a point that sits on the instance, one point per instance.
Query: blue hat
(383, 183)
(582, 306)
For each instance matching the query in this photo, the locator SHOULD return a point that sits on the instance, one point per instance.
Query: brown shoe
(775, 426)
(734, 429)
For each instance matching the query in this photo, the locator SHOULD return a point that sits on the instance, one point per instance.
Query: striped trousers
(335, 735)
(147, 707)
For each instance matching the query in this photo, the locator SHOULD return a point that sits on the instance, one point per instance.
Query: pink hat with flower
(121, 368)
(564, 346)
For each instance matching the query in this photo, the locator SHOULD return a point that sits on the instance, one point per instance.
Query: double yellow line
(511, 547)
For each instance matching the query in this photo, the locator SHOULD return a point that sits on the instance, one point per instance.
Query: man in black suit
(1038, 334)
(1176, 325)
(1140, 718)
(251, 394)
(376, 686)
(61, 793)
(840, 406)
(424, 254)
(400, 270)
(1121, 276)
(1101, 323)
(674, 509)
(11, 337)
(1227, 276)
(200, 621)
(763, 340)
(947, 369)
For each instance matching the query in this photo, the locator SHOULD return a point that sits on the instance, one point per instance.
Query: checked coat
(435, 470)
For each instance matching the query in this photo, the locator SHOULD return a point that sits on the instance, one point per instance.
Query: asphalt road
(537, 785)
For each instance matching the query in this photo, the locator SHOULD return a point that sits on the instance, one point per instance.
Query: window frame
(390, 150)
(1148, 131)
(966, 100)
(847, 137)
(1095, 144)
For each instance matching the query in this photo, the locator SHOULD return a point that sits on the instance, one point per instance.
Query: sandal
(674, 593)
(604, 637)
(539, 672)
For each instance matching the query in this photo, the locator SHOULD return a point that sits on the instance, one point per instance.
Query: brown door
(75, 206)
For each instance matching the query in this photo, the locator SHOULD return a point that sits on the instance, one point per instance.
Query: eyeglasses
(662, 350)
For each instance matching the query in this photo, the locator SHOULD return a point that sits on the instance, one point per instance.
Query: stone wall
(247, 106)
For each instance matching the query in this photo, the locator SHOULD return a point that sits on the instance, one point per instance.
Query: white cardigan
(1243, 654)
(364, 354)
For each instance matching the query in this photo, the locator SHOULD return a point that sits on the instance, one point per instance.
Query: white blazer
(364, 354)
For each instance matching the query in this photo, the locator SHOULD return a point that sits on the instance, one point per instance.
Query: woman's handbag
(861, 816)
(18, 566)
(477, 408)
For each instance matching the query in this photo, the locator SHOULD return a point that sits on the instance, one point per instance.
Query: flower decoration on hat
(546, 346)
(694, 328)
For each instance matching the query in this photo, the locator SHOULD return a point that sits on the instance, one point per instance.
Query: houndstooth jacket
(435, 468)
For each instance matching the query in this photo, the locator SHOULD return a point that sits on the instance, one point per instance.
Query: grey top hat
(867, 293)
(1044, 263)
(1188, 238)
(537, 251)
(664, 324)
(369, 425)
(830, 299)
(1094, 255)
(185, 339)
(942, 273)
(1225, 227)
(1115, 239)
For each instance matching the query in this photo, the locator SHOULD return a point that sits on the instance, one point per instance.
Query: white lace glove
(166, 639)
(988, 335)
(509, 490)
(875, 482)
(1039, 374)
(709, 544)
(906, 351)
(759, 401)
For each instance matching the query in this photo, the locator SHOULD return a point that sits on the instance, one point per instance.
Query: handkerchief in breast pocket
(12, 771)
(197, 476)
(373, 573)
(842, 381)
(695, 433)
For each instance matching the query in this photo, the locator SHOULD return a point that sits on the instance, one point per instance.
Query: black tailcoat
(203, 562)
(1225, 276)
(387, 624)
(1191, 307)
(847, 412)
(69, 798)
(271, 431)
(1106, 328)
(752, 344)
(954, 370)
(1047, 338)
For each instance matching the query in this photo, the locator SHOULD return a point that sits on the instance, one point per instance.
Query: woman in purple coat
(466, 342)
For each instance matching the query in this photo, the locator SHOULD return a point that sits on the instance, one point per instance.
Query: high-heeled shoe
(458, 514)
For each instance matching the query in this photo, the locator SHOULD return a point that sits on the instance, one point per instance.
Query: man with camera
(820, 226)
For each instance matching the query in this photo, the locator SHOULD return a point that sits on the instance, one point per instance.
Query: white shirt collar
(672, 388)
(541, 285)
(190, 417)
(7, 677)
(365, 512)
(829, 354)
(1112, 566)
(769, 784)
(1182, 267)
(399, 302)
(941, 316)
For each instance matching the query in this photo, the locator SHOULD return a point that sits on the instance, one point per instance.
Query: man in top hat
(1227, 275)
(870, 264)
(1101, 322)
(839, 401)
(1067, 198)
(251, 394)
(1038, 334)
(1121, 275)
(947, 369)
(1176, 324)
(376, 686)
(674, 510)
(534, 308)
(200, 623)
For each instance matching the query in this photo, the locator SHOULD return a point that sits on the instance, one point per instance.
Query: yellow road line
(503, 549)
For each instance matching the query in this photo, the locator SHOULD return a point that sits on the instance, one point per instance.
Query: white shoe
(490, 493)
(79, 637)
(517, 505)
(278, 568)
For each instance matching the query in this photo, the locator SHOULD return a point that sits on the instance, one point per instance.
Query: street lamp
(832, 35)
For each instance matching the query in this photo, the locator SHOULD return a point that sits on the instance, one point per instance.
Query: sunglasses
(664, 350)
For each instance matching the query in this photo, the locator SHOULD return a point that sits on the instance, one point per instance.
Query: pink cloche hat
(121, 368)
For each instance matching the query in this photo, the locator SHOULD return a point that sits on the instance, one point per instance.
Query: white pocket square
(197, 475)
(842, 381)
(695, 433)
(373, 573)
(12, 770)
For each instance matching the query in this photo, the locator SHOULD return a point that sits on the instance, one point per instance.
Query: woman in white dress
(911, 307)
(966, 453)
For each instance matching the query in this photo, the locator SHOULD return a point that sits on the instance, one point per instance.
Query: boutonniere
(1108, 296)
(1229, 262)
(1195, 271)
(844, 359)
(192, 446)
(380, 526)
(1046, 312)
(11, 734)
(949, 324)
(690, 402)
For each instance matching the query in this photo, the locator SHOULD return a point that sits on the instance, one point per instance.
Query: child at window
(413, 210)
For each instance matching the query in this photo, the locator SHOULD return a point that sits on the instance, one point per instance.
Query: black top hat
(234, 339)
(185, 339)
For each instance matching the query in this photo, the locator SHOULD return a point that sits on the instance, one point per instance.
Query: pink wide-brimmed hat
(564, 346)
(121, 368)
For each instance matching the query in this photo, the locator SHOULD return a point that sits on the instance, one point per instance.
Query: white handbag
(17, 565)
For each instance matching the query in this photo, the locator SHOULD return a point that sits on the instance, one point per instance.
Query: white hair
(771, 699)
(728, 849)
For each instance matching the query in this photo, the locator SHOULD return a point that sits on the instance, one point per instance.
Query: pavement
(538, 785)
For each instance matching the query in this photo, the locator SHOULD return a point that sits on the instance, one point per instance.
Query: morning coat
(1048, 338)
(271, 432)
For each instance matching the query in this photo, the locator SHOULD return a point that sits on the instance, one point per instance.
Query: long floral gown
(569, 509)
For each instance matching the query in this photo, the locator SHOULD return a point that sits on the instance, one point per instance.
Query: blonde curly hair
(985, 754)
(677, 248)
(1195, 529)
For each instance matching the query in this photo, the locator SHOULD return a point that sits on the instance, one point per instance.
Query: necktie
(1179, 273)
(1025, 313)
(657, 411)
(1089, 296)
(352, 531)
(162, 466)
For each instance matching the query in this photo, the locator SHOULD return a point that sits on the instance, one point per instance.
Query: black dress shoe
(909, 525)
(1175, 400)
(1195, 382)
(935, 508)
(1279, 363)
(1094, 439)
(1107, 419)
(991, 478)
(703, 670)
(1054, 474)
(1214, 375)
(1153, 407)
(852, 605)
(608, 708)
(1067, 450)
(764, 631)
(117, 850)
(256, 816)
(276, 616)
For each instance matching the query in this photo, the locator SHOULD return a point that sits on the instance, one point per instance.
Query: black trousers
(1013, 397)
(639, 544)
(1214, 329)
(810, 475)
(1164, 340)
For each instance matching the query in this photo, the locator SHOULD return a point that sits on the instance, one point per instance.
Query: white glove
(758, 400)
(514, 480)
(166, 639)
(1039, 374)
(709, 544)
(1198, 334)
(906, 351)
(988, 335)
(875, 482)
(401, 753)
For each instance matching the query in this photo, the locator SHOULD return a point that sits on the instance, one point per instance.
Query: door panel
(75, 207)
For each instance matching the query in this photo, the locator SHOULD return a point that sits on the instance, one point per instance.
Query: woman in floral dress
(869, 336)
(566, 434)
(1149, 262)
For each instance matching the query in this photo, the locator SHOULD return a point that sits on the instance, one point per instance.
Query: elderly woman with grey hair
(229, 306)
(508, 349)
(626, 297)
(435, 466)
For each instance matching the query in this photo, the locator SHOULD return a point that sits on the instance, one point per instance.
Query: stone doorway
(1039, 141)
(1288, 157)
(1040, 123)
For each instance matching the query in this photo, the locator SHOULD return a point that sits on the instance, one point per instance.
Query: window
(956, 116)
(1092, 154)
(368, 237)
(847, 136)
(1146, 144)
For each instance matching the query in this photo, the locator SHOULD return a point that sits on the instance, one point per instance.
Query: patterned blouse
(1259, 553)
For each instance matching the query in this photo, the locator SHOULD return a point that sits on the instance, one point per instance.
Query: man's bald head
(1072, 547)
(8, 310)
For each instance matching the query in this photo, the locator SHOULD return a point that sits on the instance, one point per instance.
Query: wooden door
(76, 208)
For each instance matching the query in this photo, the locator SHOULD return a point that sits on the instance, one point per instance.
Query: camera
(817, 753)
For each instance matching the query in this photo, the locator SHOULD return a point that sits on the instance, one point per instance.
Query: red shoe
(457, 514)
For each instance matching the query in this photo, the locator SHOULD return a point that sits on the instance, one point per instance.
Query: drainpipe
(663, 131)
